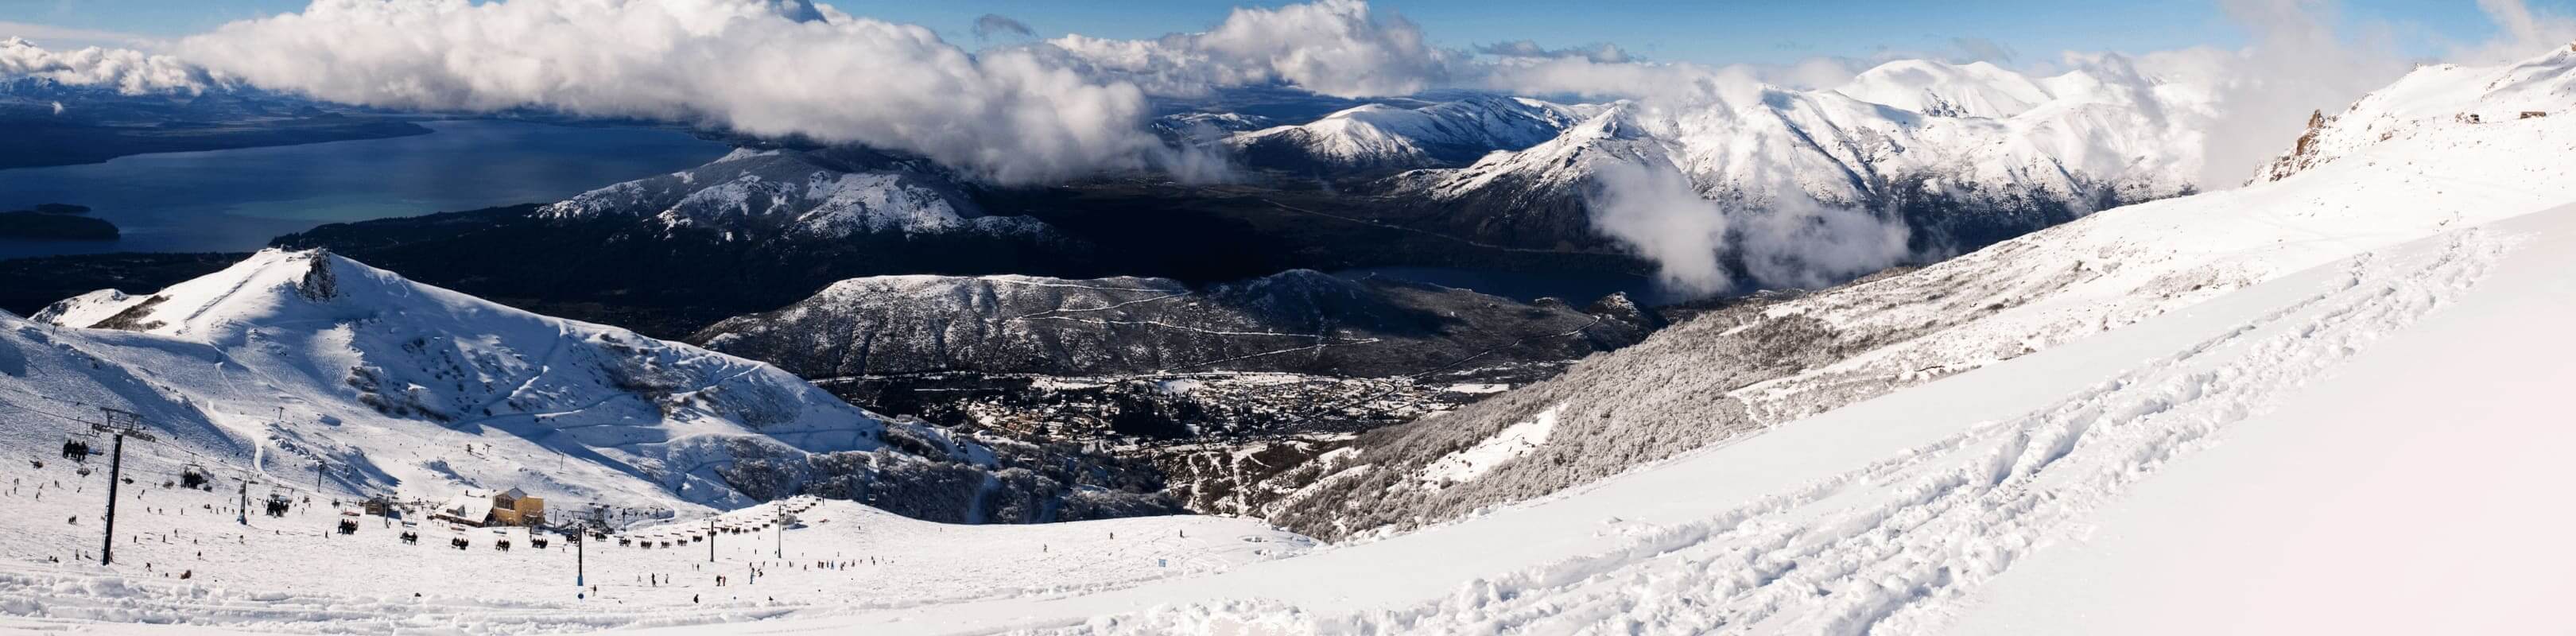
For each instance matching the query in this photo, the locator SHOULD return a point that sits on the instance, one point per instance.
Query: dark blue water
(1577, 288)
(236, 200)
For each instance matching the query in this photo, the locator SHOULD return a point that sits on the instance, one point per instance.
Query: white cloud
(2522, 32)
(66, 37)
(1660, 216)
(1330, 47)
(1786, 239)
(769, 67)
(2299, 61)
(125, 70)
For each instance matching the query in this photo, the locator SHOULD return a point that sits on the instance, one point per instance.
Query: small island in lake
(56, 222)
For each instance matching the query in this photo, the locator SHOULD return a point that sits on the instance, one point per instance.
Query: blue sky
(1716, 32)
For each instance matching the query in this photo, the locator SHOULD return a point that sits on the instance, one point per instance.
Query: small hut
(511, 507)
(379, 506)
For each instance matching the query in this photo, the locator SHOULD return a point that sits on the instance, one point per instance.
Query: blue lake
(236, 200)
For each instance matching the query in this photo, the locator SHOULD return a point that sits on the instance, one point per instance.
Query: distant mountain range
(2446, 147)
(1379, 137)
(52, 123)
(1965, 155)
(1299, 321)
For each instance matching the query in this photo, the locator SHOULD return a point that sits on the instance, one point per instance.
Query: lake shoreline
(58, 146)
(237, 199)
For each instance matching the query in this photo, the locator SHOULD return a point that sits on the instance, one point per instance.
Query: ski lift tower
(120, 424)
(784, 518)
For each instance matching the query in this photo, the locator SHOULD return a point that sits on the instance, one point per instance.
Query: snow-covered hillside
(290, 358)
(1764, 363)
(1965, 155)
(2204, 414)
(2243, 466)
(801, 194)
(1380, 136)
(292, 574)
(2432, 99)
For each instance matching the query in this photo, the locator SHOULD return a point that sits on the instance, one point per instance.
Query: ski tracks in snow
(1900, 545)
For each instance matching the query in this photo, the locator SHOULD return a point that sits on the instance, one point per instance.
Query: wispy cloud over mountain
(1604, 52)
(993, 25)
(1331, 47)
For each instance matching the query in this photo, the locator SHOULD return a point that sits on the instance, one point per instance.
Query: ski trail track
(1896, 545)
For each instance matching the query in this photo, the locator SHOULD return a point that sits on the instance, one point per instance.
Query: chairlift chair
(76, 445)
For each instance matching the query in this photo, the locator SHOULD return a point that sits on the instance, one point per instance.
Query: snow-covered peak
(818, 194)
(84, 309)
(1384, 136)
(1940, 89)
(1988, 155)
(270, 286)
(2436, 97)
(1616, 134)
(1982, 89)
(422, 390)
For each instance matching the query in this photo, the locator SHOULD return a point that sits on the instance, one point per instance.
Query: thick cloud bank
(777, 67)
(127, 71)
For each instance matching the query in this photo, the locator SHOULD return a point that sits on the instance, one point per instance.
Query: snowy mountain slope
(2378, 485)
(2429, 99)
(805, 194)
(1888, 516)
(1967, 420)
(1900, 514)
(410, 389)
(1299, 321)
(1759, 364)
(1380, 136)
(1899, 454)
(1995, 155)
(85, 309)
